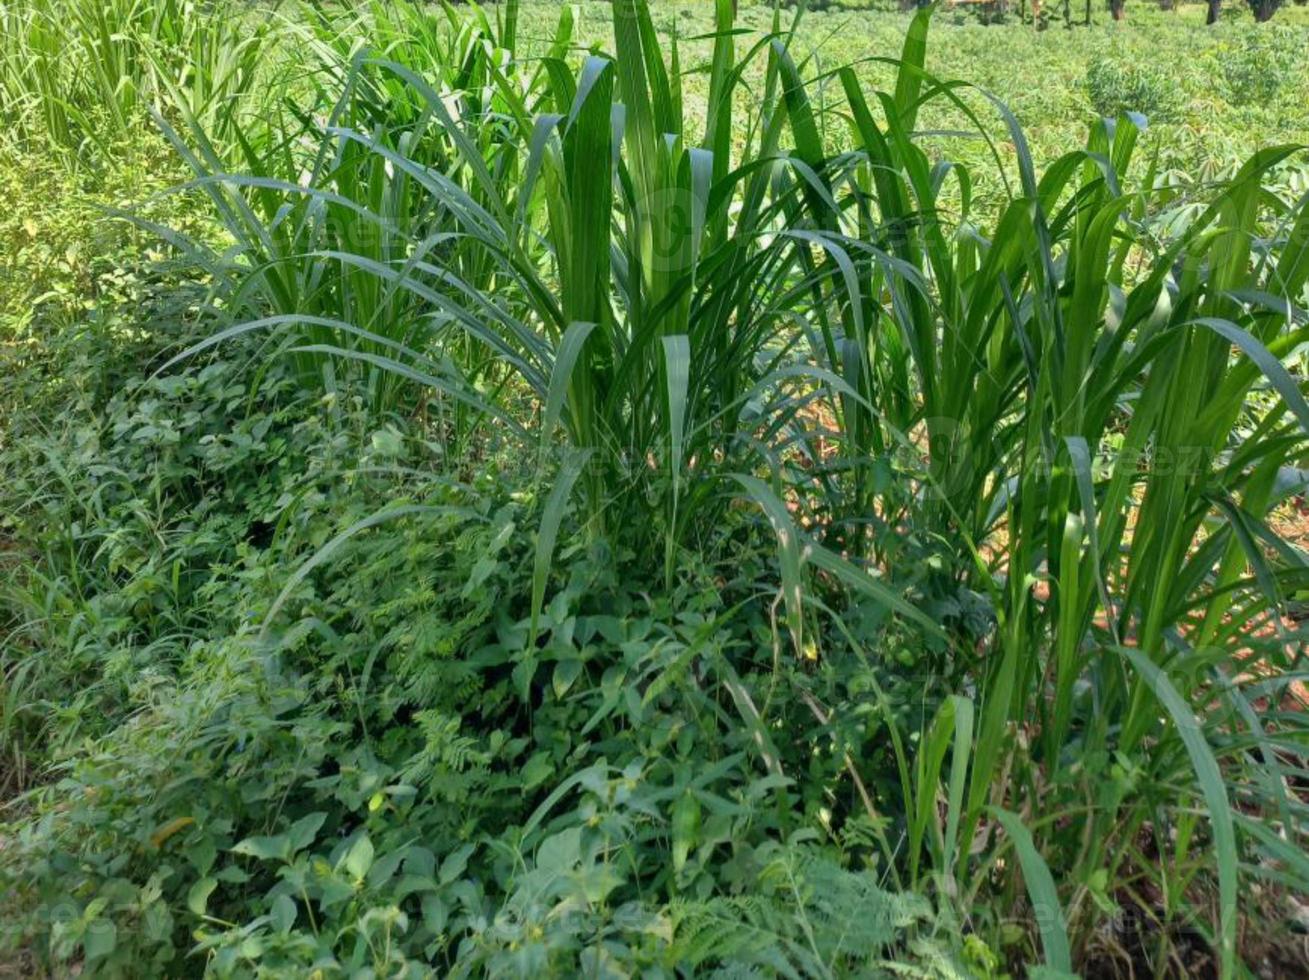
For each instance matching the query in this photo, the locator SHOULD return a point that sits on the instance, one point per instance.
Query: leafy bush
(390, 777)
(1116, 87)
(1259, 66)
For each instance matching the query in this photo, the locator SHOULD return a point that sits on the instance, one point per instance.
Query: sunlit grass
(1033, 399)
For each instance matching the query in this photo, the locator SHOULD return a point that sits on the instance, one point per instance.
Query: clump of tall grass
(1110, 425)
(77, 75)
(519, 230)
(1093, 427)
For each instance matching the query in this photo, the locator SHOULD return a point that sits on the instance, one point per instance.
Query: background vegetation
(651, 489)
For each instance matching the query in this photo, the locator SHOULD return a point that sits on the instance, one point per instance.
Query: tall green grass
(1090, 407)
(76, 75)
(1091, 427)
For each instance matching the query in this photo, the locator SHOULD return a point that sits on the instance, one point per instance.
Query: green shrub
(1259, 66)
(1115, 86)
(317, 739)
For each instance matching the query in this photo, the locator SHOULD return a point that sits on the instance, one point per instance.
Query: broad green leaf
(359, 858)
(677, 364)
(197, 896)
(100, 938)
(551, 517)
(304, 831)
(1041, 892)
(282, 914)
(570, 349)
(277, 847)
(913, 57)
(788, 554)
(685, 827)
(1210, 777)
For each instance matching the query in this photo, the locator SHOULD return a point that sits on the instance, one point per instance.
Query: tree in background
(1264, 9)
(1116, 9)
(1215, 9)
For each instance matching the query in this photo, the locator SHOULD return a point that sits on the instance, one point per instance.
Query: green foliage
(805, 917)
(61, 261)
(1259, 66)
(613, 490)
(340, 785)
(76, 75)
(1115, 87)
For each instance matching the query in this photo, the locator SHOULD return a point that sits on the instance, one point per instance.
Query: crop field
(654, 488)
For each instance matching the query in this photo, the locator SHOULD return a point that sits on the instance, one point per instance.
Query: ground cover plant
(651, 489)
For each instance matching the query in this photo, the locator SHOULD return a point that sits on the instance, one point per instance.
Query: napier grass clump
(612, 499)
